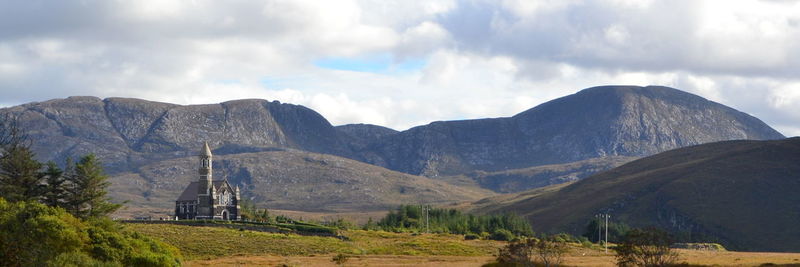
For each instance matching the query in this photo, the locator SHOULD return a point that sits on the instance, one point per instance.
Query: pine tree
(87, 191)
(20, 179)
(54, 192)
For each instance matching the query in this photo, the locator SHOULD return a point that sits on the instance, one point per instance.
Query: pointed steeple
(206, 150)
(205, 170)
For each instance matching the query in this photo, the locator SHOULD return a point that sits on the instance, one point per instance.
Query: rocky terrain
(602, 121)
(742, 194)
(561, 140)
(294, 180)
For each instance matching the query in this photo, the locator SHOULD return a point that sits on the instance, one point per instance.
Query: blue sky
(379, 64)
(403, 63)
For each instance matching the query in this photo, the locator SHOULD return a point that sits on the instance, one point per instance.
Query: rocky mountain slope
(579, 130)
(128, 132)
(596, 122)
(291, 179)
(742, 194)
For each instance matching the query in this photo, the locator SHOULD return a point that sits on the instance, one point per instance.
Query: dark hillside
(743, 194)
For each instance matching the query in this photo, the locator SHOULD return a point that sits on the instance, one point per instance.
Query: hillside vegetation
(742, 194)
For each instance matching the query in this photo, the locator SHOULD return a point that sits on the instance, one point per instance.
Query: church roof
(190, 193)
(218, 183)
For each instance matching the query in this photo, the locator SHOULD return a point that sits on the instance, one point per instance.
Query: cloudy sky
(403, 63)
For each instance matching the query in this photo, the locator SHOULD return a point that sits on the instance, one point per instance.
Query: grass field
(574, 259)
(214, 242)
(213, 246)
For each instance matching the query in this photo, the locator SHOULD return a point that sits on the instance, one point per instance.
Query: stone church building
(206, 198)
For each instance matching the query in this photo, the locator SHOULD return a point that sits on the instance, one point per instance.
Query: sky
(403, 63)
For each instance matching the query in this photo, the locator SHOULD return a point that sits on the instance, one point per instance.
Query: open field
(574, 259)
(213, 246)
(214, 242)
(325, 260)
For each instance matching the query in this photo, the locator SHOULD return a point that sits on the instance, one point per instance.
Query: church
(206, 198)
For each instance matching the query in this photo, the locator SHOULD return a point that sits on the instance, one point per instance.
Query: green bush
(77, 259)
(502, 235)
(340, 259)
(32, 234)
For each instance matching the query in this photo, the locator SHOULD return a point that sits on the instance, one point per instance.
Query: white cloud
(477, 58)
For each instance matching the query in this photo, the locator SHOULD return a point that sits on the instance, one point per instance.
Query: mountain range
(148, 147)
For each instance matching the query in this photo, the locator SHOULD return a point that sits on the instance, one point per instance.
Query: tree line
(414, 218)
(79, 188)
(53, 216)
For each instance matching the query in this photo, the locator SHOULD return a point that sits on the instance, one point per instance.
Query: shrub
(502, 235)
(549, 251)
(340, 259)
(532, 252)
(77, 259)
(516, 253)
(32, 234)
(645, 247)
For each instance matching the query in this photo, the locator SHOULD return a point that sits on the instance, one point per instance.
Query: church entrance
(225, 214)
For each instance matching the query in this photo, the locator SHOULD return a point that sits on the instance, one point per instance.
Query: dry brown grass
(325, 260)
(577, 257)
(731, 258)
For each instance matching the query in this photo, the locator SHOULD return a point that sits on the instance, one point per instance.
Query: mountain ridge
(608, 121)
(595, 122)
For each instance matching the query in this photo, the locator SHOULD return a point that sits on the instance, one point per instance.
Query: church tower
(208, 199)
(204, 187)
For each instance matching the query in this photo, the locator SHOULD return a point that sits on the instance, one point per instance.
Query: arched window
(225, 198)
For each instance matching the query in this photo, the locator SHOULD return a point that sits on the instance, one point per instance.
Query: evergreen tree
(86, 195)
(20, 179)
(12, 135)
(54, 192)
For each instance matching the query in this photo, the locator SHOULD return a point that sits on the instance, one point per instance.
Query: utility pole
(424, 210)
(607, 216)
(427, 219)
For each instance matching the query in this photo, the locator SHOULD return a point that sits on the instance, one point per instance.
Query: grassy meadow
(216, 242)
(216, 246)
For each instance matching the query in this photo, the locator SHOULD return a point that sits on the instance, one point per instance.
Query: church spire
(205, 170)
(206, 150)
